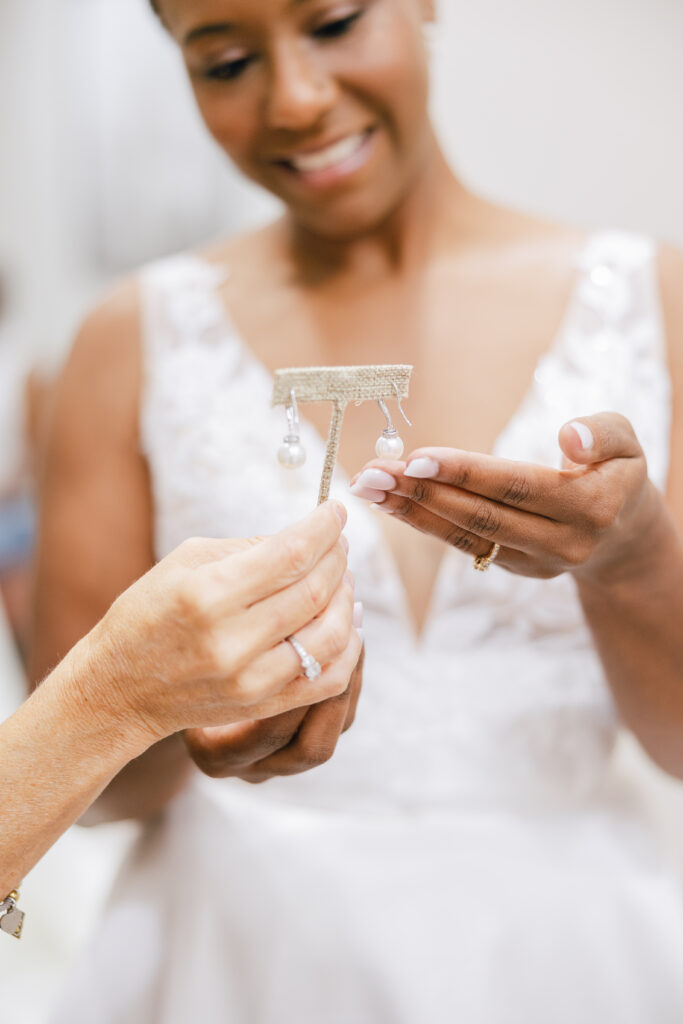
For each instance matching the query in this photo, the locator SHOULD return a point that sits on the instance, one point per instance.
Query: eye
(229, 70)
(338, 27)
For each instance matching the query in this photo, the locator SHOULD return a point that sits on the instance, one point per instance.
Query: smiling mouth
(329, 158)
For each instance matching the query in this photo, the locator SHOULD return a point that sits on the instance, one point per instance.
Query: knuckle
(483, 520)
(316, 593)
(402, 506)
(312, 755)
(578, 553)
(460, 540)
(518, 491)
(336, 638)
(296, 554)
(421, 491)
(604, 514)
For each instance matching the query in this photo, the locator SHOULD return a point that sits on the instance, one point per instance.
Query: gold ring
(484, 562)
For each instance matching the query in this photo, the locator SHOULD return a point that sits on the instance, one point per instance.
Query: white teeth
(326, 158)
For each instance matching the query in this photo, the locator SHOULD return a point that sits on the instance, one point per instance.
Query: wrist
(84, 683)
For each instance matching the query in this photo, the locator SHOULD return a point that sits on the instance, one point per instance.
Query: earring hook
(293, 414)
(400, 407)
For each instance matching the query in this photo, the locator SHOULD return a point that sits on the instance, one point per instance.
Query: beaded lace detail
(503, 700)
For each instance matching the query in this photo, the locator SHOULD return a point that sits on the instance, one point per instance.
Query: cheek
(390, 73)
(231, 122)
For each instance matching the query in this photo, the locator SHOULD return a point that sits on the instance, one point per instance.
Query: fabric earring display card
(340, 385)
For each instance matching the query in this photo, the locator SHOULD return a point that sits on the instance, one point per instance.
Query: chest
(474, 342)
(474, 358)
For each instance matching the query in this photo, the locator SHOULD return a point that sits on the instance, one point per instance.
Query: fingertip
(340, 512)
(577, 441)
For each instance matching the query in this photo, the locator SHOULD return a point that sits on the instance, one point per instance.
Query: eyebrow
(222, 27)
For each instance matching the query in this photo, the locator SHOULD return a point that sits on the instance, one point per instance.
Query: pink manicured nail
(358, 614)
(374, 479)
(344, 543)
(422, 469)
(585, 435)
(378, 507)
(361, 636)
(368, 494)
(350, 579)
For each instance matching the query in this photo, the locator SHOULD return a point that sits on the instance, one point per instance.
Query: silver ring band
(311, 668)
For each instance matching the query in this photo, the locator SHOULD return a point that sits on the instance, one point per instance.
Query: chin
(345, 220)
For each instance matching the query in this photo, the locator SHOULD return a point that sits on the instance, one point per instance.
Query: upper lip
(316, 147)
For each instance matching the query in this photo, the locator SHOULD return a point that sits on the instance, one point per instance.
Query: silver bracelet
(11, 918)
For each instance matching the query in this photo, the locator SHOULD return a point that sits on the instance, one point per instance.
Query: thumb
(592, 439)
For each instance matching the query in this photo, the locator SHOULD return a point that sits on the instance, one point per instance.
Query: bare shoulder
(100, 381)
(671, 290)
(671, 285)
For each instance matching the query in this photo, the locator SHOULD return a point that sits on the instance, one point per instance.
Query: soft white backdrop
(569, 109)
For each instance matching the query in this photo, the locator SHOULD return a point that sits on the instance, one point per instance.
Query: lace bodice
(503, 700)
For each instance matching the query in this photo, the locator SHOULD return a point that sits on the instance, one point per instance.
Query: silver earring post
(390, 445)
(292, 453)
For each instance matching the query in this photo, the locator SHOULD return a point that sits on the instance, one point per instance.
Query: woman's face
(322, 102)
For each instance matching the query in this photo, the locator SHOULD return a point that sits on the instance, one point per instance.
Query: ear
(428, 10)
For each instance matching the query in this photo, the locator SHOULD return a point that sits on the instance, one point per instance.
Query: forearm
(636, 617)
(57, 753)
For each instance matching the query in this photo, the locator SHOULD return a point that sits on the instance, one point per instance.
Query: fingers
(315, 742)
(247, 749)
(333, 682)
(599, 438)
(355, 688)
(271, 621)
(223, 751)
(286, 558)
(526, 487)
(326, 638)
(317, 738)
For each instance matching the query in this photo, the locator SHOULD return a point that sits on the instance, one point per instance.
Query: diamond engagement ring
(311, 668)
(484, 562)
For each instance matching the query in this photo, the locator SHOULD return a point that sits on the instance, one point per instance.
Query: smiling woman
(469, 818)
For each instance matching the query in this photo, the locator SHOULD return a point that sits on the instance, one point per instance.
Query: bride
(464, 854)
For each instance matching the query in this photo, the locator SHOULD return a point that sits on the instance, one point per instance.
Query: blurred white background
(568, 109)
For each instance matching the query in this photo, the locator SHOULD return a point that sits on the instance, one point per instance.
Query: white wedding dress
(464, 857)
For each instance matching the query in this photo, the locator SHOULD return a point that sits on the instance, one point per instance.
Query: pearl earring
(292, 453)
(390, 445)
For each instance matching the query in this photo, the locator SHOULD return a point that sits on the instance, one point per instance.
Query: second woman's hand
(599, 517)
(202, 639)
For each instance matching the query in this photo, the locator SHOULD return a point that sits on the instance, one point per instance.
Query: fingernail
(378, 507)
(344, 543)
(422, 469)
(369, 494)
(585, 434)
(361, 636)
(342, 514)
(350, 578)
(376, 479)
(358, 614)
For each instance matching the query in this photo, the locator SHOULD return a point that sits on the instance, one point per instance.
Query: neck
(407, 237)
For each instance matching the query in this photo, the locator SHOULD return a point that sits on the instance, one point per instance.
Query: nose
(301, 91)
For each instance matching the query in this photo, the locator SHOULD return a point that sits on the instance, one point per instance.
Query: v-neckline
(419, 635)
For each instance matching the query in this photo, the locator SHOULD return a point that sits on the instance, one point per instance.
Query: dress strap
(615, 336)
(180, 302)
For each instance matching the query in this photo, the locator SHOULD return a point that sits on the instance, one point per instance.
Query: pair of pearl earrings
(292, 453)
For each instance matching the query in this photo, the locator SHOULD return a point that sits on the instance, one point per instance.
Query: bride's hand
(593, 518)
(201, 639)
(288, 744)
